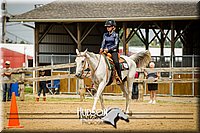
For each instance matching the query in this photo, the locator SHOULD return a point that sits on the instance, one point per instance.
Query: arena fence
(179, 75)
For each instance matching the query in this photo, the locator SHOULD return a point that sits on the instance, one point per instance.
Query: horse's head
(81, 63)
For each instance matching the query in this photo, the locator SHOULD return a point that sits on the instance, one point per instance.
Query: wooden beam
(124, 38)
(36, 57)
(127, 44)
(156, 34)
(162, 31)
(162, 80)
(87, 32)
(38, 68)
(147, 38)
(172, 38)
(45, 32)
(140, 37)
(183, 40)
(132, 33)
(79, 36)
(70, 33)
(143, 38)
(162, 43)
(166, 34)
(69, 65)
(179, 33)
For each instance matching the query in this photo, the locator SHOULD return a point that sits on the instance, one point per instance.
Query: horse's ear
(85, 52)
(77, 52)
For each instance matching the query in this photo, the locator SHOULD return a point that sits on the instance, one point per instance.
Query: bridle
(84, 66)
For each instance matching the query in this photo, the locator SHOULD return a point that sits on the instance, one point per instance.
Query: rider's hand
(106, 50)
(101, 51)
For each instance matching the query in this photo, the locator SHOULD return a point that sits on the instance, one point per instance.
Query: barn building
(63, 26)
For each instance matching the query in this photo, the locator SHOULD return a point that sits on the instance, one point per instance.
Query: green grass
(28, 90)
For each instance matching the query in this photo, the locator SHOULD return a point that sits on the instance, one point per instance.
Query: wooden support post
(141, 87)
(147, 39)
(124, 38)
(22, 87)
(172, 55)
(162, 44)
(127, 44)
(3, 8)
(78, 37)
(172, 38)
(36, 58)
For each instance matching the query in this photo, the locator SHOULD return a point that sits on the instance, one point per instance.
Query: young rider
(110, 44)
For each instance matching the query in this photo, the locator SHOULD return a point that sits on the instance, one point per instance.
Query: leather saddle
(122, 61)
(111, 66)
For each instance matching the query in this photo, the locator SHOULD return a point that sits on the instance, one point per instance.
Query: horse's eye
(82, 61)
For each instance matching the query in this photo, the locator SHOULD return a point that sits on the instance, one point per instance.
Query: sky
(14, 29)
(15, 7)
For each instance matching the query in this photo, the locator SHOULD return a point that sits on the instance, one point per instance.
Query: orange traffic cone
(13, 118)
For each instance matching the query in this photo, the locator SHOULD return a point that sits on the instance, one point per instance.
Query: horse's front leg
(125, 92)
(99, 92)
(102, 102)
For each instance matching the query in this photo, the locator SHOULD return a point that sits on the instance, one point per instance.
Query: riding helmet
(110, 23)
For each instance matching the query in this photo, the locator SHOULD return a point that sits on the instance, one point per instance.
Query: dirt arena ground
(62, 123)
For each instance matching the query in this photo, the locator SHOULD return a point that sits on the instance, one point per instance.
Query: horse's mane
(93, 55)
(141, 58)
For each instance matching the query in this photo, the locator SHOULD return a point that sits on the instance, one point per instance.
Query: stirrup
(118, 80)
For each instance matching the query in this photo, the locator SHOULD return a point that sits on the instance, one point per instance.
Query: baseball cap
(7, 62)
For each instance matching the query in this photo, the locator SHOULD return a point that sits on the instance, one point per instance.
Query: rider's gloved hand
(101, 51)
(106, 50)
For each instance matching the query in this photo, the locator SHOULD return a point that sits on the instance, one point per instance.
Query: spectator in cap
(6, 86)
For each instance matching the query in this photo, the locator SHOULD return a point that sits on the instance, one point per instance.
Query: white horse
(101, 74)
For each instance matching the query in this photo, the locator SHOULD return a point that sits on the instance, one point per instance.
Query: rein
(97, 64)
(94, 70)
(84, 76)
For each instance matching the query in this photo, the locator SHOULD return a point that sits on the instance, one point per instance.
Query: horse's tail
(141, 58)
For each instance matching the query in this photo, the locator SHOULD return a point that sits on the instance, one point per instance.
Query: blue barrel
(14, 88)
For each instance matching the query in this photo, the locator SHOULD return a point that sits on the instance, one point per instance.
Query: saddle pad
(124, 65)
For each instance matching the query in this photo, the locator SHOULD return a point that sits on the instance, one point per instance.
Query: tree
(135, 41)
(22, 42)
(167, 44)
(178, 44)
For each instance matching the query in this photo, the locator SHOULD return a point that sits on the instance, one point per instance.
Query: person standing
(110, 44)
(42, 87)
(135, 90)
(152, 75)
(6, 86)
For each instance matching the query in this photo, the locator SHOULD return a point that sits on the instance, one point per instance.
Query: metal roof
(79, 11)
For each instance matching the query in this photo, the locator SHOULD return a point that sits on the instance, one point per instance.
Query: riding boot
(118, 77)
(118, 80)
(37, 99)
(44, 98)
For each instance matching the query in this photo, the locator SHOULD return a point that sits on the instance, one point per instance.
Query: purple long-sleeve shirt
(110, 41)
